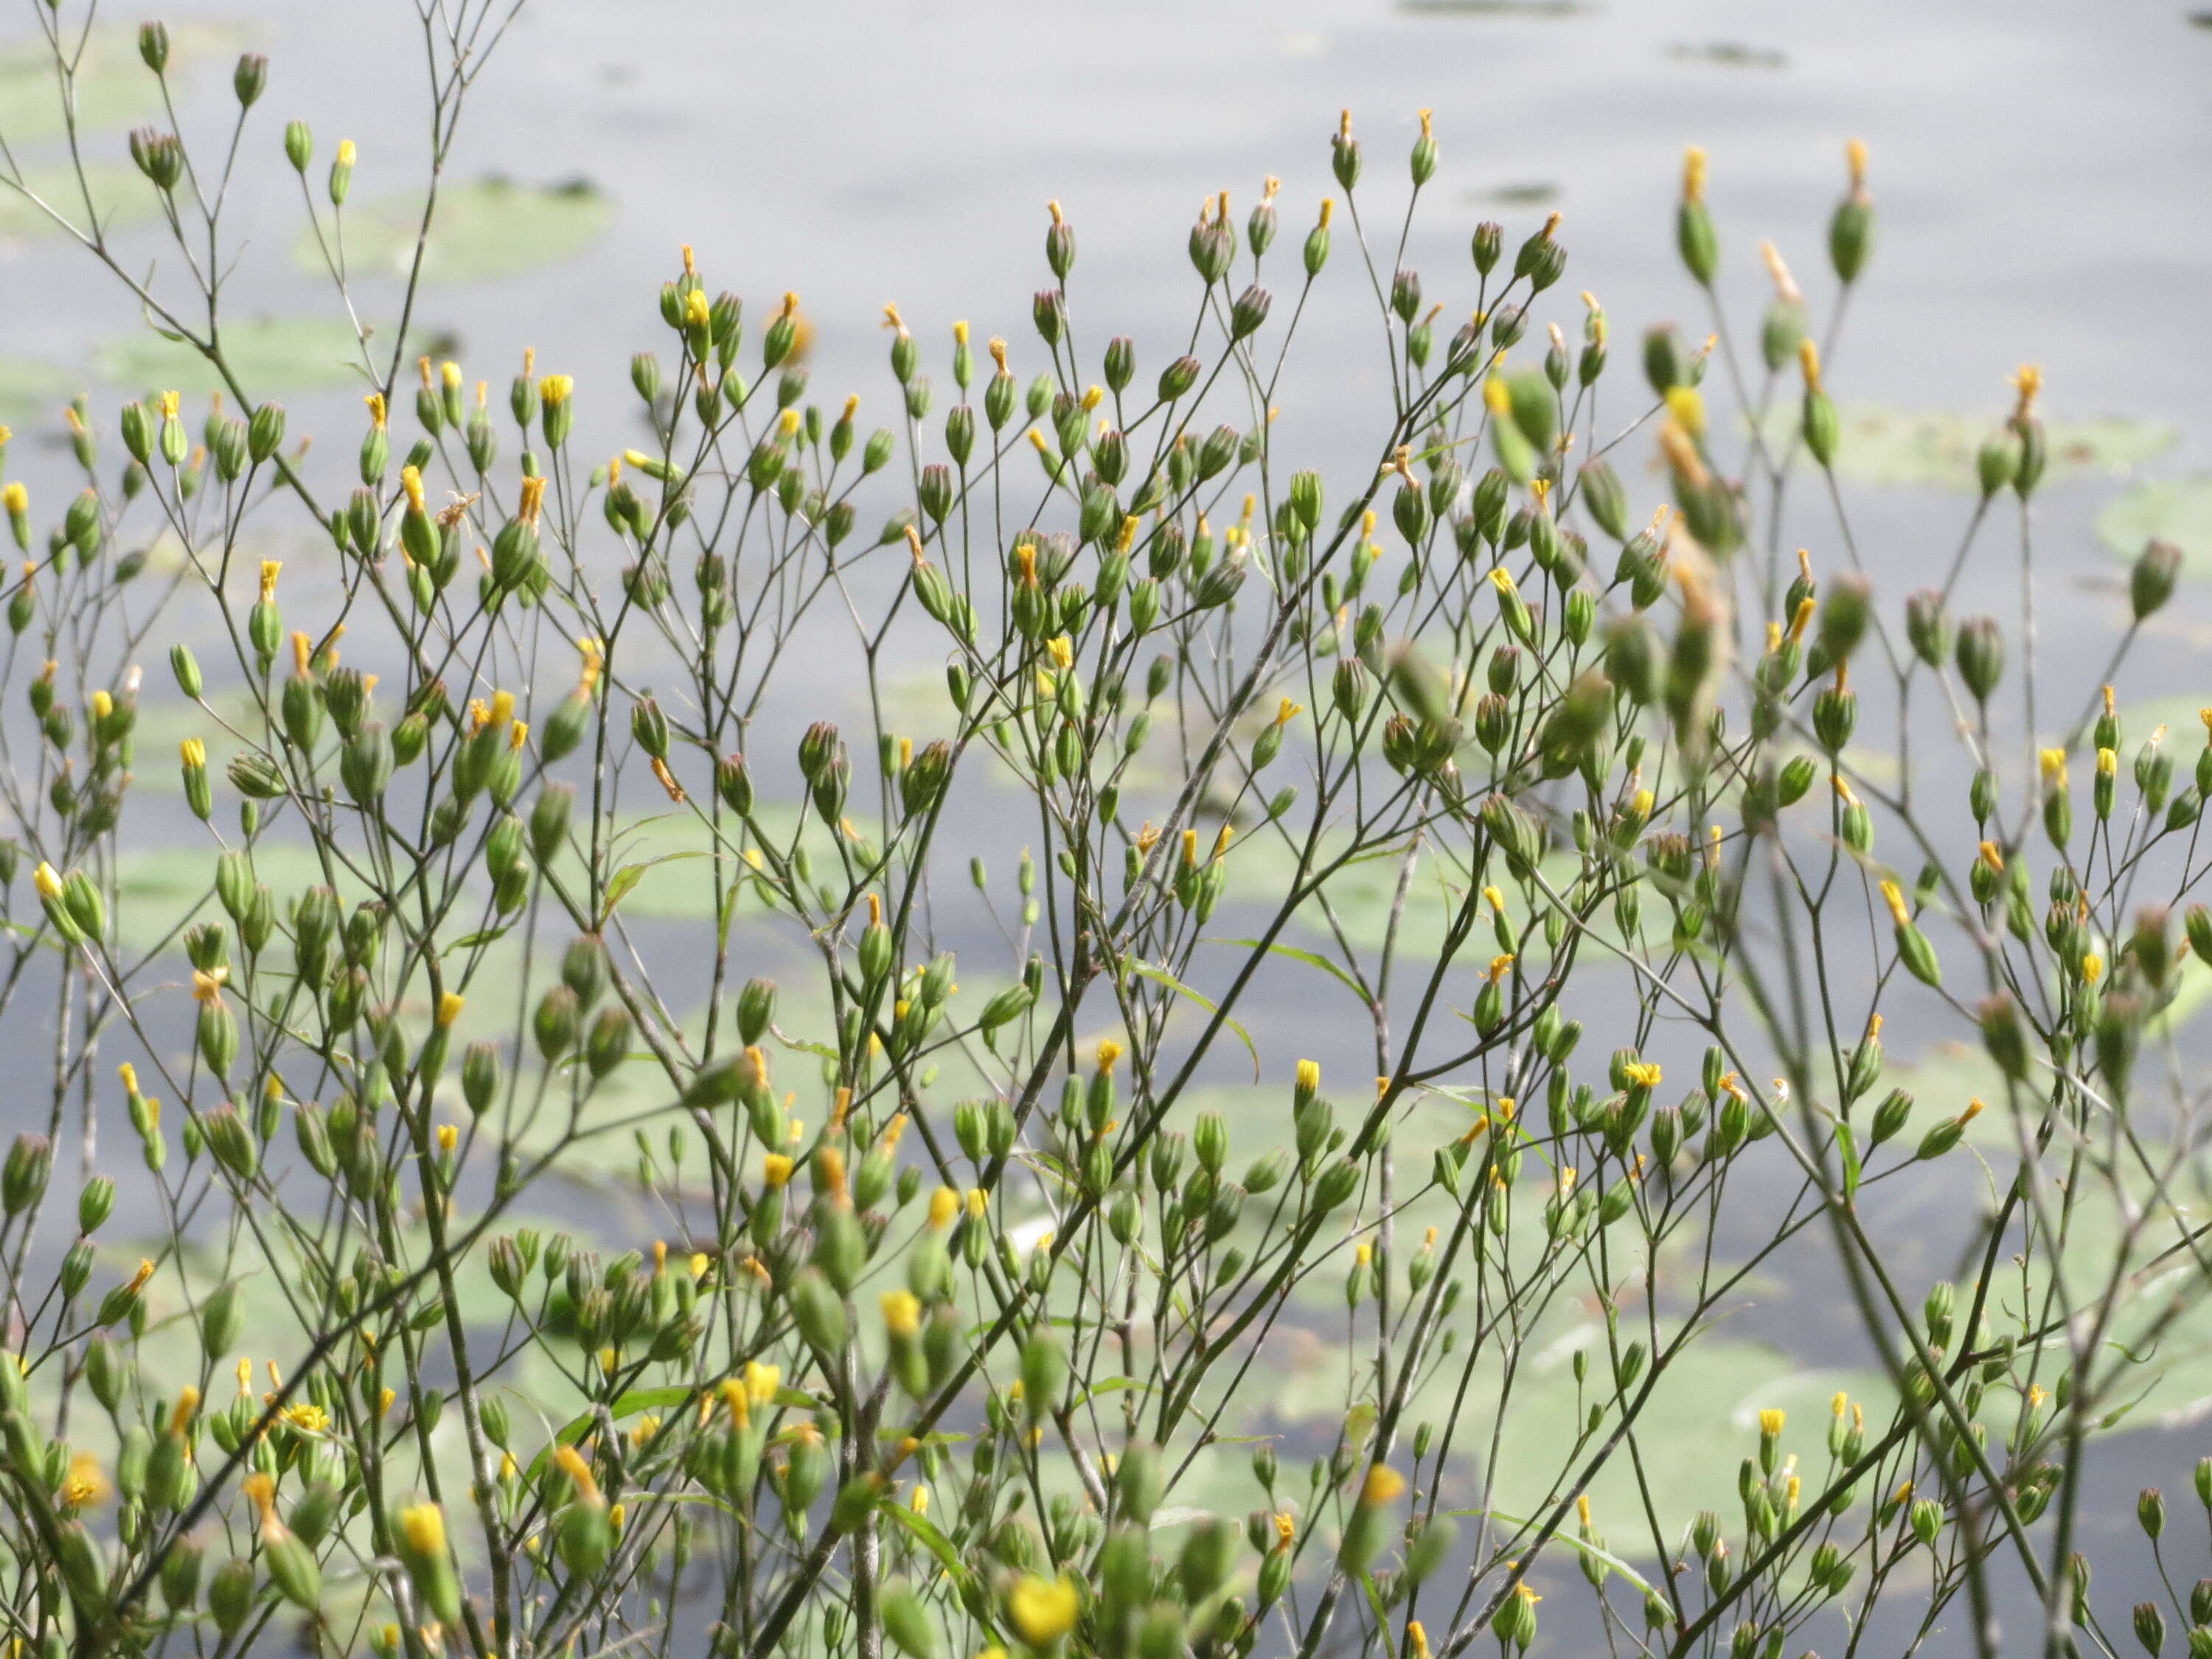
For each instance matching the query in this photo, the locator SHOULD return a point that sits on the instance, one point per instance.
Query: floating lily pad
(483, 231)
(28, 387)
(1521, 192)
(1935, 449)
(120, 198)
(1499, 7)
(114, 87)
(268, 354)
(1728, 54)
(2177, 510)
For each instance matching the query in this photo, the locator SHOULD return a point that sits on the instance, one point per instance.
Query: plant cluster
(967, 1312)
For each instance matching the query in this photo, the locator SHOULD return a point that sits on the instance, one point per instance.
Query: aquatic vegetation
(555, 1140)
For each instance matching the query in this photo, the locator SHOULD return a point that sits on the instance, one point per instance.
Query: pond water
(2038, 170)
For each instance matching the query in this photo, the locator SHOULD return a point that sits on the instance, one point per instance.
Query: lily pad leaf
(120, 198)
(1497, 8)
(2177, 510)
(27, 386)
(482, 231)
(114, 87)
(267, 355)
(1728, 54)
(1935, 448)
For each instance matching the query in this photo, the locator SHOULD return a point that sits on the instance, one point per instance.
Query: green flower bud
(249, 78)
(2150, 583)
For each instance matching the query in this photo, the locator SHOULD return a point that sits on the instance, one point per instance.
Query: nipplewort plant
(567, 835)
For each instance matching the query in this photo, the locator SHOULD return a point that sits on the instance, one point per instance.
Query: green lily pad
(119, 198)
(1935, 448)
(1728, 54)
(484, 230)
(2177, 510)
(267, 355)
(29, 388)
(114, 87)
(1497, 8)
(1515, 193)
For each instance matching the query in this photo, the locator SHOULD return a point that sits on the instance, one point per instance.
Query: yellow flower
(579, 1474)
(1309, 1076)
(260, 1490)
(193, 751)
(1042, 1610)
(1643, 1074)
(449, 1009)
(347, 153)
(555, 389)
(2054, 768)
(1063, 652)
(1109, 1052)
(15, 498)
(309, 1418)
(1693, 174)
(944, 1207)
(1382, 1486)
(761, 1381)
(422, 1529)
(902, 1312)
(775, 1170)
(87, 1483)
(1770, 1421)
(48, 884)
(732, 1396)
(1893, 897)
